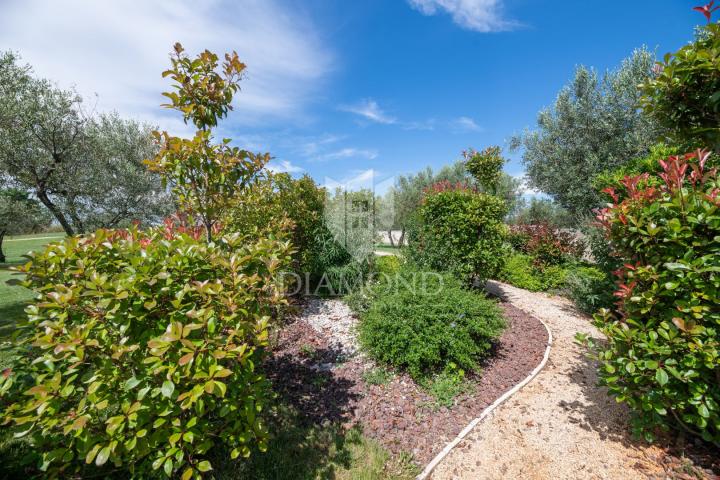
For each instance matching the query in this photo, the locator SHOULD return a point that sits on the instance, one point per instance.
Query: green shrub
(459, 231)
(663, 352)
(423, 321)
(141, 351)
(277, 198)
(590, 288)
(683, 96)
(522, 271)
(387, 265)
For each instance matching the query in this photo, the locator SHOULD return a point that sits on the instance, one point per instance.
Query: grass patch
(301, 451)
(388, 249)
(16, 247)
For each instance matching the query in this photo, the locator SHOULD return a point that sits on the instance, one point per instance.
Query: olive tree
(86, 170)
(595, 125)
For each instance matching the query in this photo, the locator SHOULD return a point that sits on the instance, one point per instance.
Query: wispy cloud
(347, 153)
(284, 166)
(478, 15)
(369, 110)
(118, 49)
(465, 124)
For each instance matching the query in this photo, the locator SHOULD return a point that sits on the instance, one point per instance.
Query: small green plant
(307, 350)
(377, 376)
(590, 288)
(387, 265)
(447, 385)
(523, 272)
(423, 321)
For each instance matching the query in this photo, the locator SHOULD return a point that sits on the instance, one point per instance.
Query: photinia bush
(460, 231)
(141, 350)
(546, 244)
(663, 352)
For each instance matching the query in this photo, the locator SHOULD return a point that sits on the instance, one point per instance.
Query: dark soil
(317, 381)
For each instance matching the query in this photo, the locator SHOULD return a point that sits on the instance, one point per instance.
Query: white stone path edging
(445, 451)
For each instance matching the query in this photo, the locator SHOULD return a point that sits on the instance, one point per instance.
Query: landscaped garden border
(488, 410)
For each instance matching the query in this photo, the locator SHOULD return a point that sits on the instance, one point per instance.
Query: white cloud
(119, 49)
(370, 110)
(357, 180)
(478, 15)
(284, 166)
(465, 124)
(347, 153)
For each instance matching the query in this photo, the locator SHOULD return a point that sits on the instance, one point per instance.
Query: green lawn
(387, 248)
(13, 298)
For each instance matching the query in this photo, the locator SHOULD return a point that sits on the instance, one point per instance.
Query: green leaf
(204, 466)
(661, 376)
(103, 456)
(168, 388)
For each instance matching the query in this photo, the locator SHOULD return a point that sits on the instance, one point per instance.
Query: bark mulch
(325, 387)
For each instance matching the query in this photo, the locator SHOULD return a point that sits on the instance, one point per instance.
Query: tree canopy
(595, 125)
(87, 170)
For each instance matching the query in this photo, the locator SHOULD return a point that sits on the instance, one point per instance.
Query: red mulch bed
(400, 415)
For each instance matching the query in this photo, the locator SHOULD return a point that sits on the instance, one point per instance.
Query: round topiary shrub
(460, 231)
(422, 322)
(141, 349)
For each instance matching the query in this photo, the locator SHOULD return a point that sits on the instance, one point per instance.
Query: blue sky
(347, 90)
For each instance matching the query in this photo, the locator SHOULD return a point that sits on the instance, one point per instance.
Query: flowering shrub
(663, 351)
(141, 350)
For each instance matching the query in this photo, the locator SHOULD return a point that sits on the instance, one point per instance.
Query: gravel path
(561, 425)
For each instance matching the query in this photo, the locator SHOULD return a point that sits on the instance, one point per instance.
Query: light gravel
(561, 425)
(335, 321)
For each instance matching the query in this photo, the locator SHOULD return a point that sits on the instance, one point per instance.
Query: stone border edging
(445, 451)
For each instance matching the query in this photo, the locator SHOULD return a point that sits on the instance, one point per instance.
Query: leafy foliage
(278, 198)
(593, 126)
(589, 288)
(541, 210)
(421, 322)
(459, 231)
(546, 244)
(663, 346)
(523, 272)
(485, 167)
(87, 171)
(141, 350)
(204, 176)
(684, 95)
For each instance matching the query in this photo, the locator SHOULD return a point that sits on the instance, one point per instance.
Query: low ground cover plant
(663, 347)
(422, 322)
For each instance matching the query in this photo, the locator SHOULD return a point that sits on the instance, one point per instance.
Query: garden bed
(315, 367)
